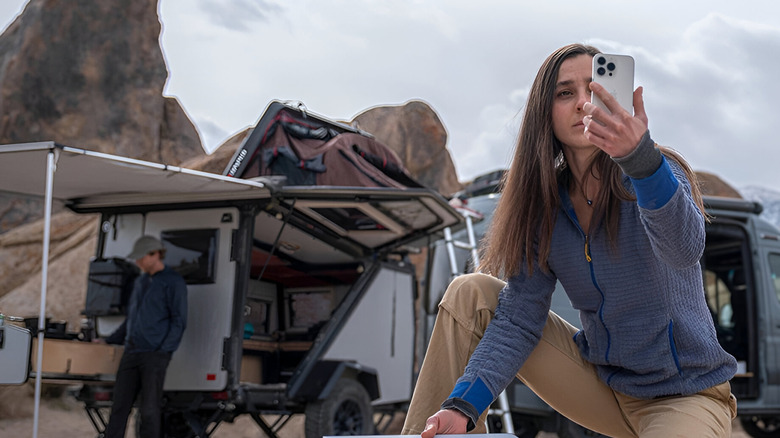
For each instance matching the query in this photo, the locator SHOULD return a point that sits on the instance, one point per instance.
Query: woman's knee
(471, 293)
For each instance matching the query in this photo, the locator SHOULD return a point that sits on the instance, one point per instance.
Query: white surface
(14, 355)
(380, 334)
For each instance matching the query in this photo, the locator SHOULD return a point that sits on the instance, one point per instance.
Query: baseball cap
(143, 246)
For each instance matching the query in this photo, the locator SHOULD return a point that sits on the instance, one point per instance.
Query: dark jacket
(157, 314)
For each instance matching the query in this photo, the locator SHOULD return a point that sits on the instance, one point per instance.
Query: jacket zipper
(603, 298)
(587, 251)
(589, 259)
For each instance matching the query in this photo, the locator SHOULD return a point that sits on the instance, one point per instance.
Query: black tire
(525, 427)
(346, 411)
(569, 429)
(174, 425)
(761, 426)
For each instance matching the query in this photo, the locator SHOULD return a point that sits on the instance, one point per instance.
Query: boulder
(415, 132)
(72, 244)
(713, 185)
(219, 159)
(89, 74)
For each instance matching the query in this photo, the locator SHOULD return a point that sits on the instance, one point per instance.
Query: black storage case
(109, 286)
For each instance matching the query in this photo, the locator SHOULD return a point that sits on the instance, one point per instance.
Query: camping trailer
(301, 298)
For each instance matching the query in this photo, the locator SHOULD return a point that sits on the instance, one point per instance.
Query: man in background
(156, 318)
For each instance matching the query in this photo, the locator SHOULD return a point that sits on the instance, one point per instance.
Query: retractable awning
(84, 174)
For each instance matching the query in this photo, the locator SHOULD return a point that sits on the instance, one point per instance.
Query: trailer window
(307, 308)
(256, 316)
(192, 253)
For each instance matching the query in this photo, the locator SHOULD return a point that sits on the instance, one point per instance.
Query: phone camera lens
(601, 71)
(601, 60)
(611, 66)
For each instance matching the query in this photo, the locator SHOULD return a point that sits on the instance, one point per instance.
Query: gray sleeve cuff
(642, 161)
(465, 408)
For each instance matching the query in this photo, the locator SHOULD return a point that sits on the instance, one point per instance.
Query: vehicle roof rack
(733, 204)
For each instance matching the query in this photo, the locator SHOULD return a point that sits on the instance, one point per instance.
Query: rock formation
(713, 185)
(415, 132)
(89, 74)
(73, 241)
(219, 159)
(17, 210)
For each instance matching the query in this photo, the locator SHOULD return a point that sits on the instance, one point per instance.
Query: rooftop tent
(312, 150)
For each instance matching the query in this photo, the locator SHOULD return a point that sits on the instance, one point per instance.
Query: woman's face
(571, 92)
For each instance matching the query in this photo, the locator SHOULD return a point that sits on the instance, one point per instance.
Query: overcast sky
(709, 67)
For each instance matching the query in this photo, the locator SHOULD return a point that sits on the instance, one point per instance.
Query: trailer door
(198, 246)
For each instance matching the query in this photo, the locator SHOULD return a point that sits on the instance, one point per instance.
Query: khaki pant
(556, 372)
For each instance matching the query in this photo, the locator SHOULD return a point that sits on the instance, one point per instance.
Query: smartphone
(616, 74)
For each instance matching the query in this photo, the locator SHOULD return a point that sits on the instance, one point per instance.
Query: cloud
(707, 78)
(493, 146)
(239, 15)
(710, 95)
(714, 98)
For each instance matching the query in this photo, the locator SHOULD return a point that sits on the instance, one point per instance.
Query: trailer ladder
(503, 410)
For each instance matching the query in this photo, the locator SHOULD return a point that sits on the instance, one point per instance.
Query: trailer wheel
(174, 425)
(524, 426)
(759, 426)
(346, 411)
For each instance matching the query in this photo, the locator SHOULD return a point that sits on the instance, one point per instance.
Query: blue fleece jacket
(645, 321)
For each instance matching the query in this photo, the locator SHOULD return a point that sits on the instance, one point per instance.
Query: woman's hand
(617, 134)
(446, 421)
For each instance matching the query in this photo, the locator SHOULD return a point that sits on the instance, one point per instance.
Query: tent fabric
(310, 153)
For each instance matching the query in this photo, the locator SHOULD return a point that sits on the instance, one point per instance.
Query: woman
(592, 202)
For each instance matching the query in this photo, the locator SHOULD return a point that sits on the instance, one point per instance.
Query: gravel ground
(65, 417)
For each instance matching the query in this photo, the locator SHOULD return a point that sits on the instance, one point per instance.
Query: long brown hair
(522, 225)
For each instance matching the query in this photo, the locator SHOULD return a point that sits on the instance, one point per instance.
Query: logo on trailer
(239, 159)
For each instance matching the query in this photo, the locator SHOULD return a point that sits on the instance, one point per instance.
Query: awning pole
(44, 281)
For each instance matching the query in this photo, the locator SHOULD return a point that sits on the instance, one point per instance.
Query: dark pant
(143, 375)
